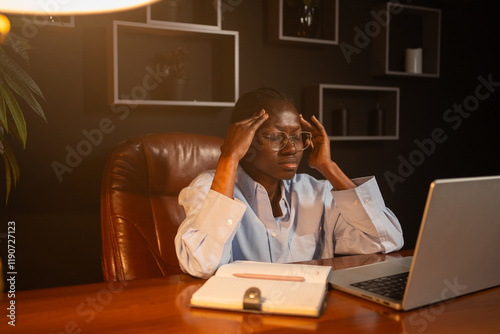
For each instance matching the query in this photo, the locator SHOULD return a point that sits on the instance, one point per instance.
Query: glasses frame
(294, 140)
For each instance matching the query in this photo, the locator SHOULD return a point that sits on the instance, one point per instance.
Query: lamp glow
(68, 7)
(4, 27)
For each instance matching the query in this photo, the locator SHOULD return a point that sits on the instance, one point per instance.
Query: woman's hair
(252, 102)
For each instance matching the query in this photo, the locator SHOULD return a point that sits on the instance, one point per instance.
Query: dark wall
(57, 219)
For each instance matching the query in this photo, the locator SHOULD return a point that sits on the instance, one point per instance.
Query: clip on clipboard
(252, 300)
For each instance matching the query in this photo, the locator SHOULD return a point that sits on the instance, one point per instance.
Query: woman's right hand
(240, 135)
(238, 139)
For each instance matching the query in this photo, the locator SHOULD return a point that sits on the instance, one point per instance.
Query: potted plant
(172, 66)
(15, 84)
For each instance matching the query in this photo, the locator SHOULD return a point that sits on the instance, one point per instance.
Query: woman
(255, 206)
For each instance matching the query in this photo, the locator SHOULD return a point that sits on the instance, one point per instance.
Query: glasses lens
(277, 140)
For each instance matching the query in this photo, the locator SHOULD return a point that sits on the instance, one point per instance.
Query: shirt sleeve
(203, 240)
(363, 224)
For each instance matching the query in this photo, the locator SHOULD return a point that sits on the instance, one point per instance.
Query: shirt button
(229, 222)
(274, 234)
(367, 200)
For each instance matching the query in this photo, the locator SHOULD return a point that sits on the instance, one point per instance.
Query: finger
(318, 125)
(260, 113)
(260, 120)
(305, 124)
(314, 120)
(317, 122)
(315, 128)
(253, 118)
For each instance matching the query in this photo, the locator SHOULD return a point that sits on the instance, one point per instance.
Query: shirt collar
(249, 186)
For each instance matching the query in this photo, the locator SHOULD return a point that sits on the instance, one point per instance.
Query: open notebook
(277, 288)
(457, 250)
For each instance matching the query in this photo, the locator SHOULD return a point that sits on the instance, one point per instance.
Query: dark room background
(57, 220)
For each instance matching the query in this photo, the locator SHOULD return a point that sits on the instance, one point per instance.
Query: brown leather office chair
(139, 209)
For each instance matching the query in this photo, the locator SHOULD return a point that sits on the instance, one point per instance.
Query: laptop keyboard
(392, 286)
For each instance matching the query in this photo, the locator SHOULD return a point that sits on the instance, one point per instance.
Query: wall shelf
(326, 101)
(204, 14)
(283, 23)
(65, 21)
(213, 68)
(407, 27)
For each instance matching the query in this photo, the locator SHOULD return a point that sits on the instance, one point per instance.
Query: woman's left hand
(320, 155)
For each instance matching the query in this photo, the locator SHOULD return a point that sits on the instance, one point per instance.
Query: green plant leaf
(16, 112)
(3, 116)
(8, 182)
(10, 69)
(26, 94)
(9, 154)
(11, 158)
(13, 130)
(19, 44)
(12, 171)
(15, 81)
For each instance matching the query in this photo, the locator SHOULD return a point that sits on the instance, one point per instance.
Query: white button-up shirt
(317, 221)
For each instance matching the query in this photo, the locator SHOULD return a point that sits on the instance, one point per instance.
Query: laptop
(457, 250)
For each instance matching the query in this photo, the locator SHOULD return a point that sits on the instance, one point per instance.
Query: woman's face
(266, 165)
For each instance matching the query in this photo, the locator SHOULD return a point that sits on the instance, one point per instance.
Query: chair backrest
(140, 213)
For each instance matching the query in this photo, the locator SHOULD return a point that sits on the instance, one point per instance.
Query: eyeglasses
(279, 139)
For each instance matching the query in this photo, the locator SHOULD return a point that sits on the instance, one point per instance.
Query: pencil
(271, 277)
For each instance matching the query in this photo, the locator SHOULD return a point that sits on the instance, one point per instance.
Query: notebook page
(311, 273)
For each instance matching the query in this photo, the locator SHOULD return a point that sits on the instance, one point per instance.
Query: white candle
(414, 60)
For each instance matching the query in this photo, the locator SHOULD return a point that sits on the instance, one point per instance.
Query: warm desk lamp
(4, 27)
(68, 7)
(62, 7)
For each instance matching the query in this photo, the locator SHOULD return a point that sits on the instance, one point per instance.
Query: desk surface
(162, 306)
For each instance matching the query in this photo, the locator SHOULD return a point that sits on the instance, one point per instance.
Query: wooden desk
(162, 306)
